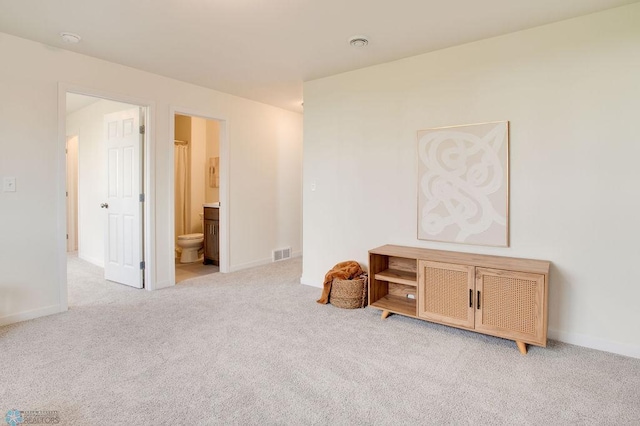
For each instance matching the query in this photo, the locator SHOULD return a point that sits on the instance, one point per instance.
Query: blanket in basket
(343, 271)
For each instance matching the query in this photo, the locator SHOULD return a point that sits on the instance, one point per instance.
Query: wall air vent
(281, 254)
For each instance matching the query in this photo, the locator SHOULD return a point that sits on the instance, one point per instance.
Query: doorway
(196, 196)
(107, 207)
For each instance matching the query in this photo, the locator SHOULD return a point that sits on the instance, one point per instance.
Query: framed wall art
(463, 184)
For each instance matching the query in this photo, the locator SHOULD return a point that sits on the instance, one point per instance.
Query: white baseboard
(595, 343)
(31, 314)
(308, 281)
(97, 262)
(162, 284)
(261, 262)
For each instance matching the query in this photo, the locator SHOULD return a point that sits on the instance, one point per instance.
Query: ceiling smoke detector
(359, 41)
(70, 38)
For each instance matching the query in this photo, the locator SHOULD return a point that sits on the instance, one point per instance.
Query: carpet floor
(253, 347)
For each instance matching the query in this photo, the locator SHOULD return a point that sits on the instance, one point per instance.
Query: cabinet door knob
(104, 206)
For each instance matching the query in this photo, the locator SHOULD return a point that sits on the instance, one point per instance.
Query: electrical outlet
(9, 184)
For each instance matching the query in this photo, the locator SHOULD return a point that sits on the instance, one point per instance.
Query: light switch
(313, 185)
(9, 184)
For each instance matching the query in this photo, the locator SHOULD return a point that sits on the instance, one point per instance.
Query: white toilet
(190, 245)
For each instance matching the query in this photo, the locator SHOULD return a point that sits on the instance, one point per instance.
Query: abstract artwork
(463, 184)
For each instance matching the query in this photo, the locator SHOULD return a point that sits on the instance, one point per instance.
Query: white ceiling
(264, 49)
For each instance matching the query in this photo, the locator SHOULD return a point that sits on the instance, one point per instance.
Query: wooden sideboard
(500, 296)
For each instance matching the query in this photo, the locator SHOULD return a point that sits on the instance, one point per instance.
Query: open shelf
(396, 304)
(398, 277)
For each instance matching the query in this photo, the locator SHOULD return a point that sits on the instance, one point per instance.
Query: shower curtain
(181, 167)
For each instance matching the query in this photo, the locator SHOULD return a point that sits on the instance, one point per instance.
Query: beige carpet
(253, 347)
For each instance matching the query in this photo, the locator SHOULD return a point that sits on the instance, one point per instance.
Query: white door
(123, 230)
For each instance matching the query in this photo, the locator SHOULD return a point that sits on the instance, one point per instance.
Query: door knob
(104, 205)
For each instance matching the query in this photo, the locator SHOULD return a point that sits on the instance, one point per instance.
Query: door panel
(511, 304)
(112, 233)
(112, 172)
(124, 230)
(128, 170)
(444, 293)
(129, 229)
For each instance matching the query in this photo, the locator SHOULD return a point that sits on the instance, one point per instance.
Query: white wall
(88, 124)
(266, 186)
(571, 92)
(32, 262)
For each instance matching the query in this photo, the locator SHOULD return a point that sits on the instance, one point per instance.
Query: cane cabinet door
(445, 293)
(511, 305)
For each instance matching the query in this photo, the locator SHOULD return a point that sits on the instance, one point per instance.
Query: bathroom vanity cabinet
(211, 235)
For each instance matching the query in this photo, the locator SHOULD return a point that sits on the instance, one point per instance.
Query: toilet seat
(191, 236)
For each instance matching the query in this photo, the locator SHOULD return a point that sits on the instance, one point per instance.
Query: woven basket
(349, 294)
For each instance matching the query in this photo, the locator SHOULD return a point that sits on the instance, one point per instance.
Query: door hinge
(67, 236)
(142, 198)
(142, 128)
(142, 265)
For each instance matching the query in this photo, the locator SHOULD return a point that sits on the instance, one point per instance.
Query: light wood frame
(451, 192)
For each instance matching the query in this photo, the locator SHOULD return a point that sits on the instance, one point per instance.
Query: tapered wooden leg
(385, 314)
(522, 347)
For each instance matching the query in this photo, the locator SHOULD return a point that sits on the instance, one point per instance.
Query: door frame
(72, 196)
(149, 154)
(224, 180)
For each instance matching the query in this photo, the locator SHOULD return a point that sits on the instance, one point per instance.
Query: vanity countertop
(212, 205)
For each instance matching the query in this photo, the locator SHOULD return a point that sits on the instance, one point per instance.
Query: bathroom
(197, 186)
